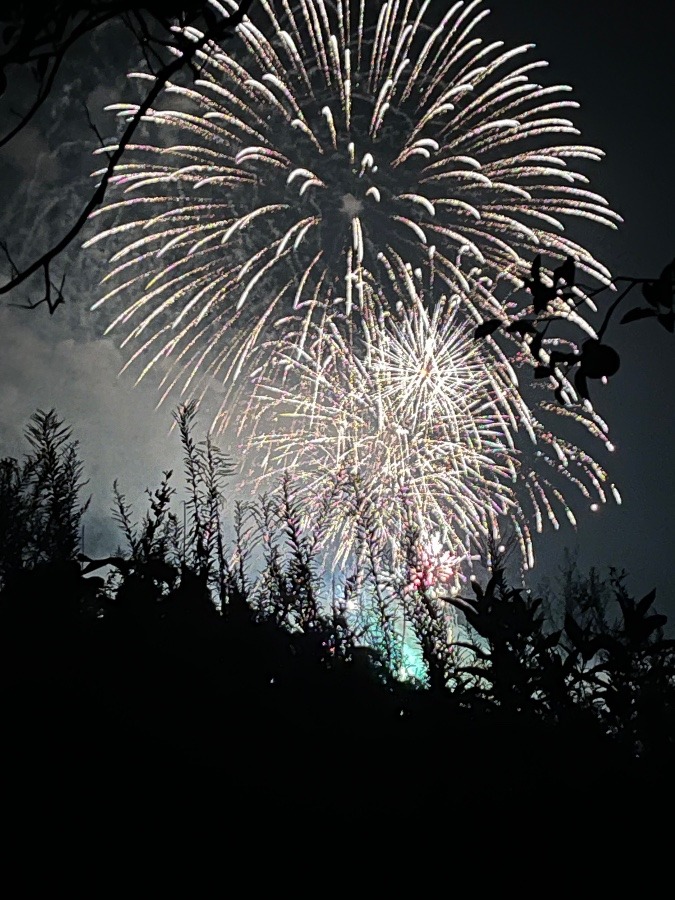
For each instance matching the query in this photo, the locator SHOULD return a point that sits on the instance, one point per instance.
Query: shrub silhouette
(188, 653)
(630, 673)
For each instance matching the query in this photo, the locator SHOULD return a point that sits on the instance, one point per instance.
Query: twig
(161, 80)
(46, 86)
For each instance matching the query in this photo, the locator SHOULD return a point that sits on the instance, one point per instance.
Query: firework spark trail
(297, 187)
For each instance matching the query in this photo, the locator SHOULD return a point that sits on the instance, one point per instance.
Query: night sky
(622, 69)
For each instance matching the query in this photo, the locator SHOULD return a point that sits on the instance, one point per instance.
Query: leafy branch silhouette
(570, 370)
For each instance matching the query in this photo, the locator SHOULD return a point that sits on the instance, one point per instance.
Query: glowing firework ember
(286, 200)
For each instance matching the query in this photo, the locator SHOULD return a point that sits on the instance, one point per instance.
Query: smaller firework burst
(400, 426)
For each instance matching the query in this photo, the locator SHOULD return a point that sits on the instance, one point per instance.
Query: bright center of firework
(351, 206)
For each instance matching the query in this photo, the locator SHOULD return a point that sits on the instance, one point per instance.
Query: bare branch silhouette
(216, 30)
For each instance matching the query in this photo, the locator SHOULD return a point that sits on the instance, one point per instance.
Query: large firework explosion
(281, 203)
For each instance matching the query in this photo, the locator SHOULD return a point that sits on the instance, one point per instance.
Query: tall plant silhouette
(629, 671)
(518, 670)
(40, 507)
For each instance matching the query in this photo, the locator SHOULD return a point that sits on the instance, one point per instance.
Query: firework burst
(328, 147)
(309, 181)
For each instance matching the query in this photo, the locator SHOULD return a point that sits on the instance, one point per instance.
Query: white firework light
(321, 219)
(402, 427)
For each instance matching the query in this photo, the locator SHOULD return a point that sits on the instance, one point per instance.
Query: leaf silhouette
(486, 328)
(599, 360)
(640, 312)
(659, 293)
(644, 604)
(668, 321)
(551, 640)
(658, 620)
(639, 630)
(566, 271)
(574, 632)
